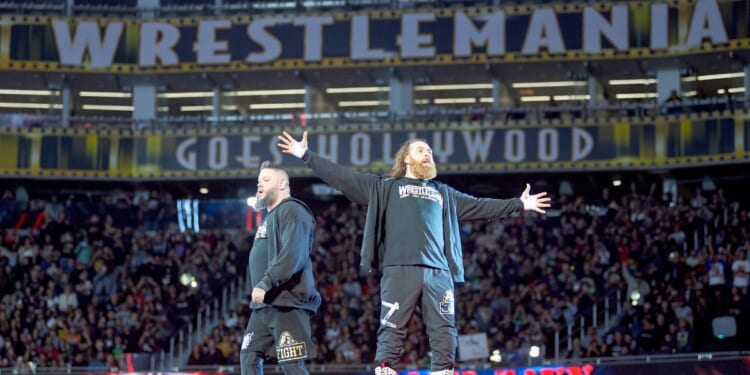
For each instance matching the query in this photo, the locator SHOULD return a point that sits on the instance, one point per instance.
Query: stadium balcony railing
(33, 7)
(556, 114)
(175, 8)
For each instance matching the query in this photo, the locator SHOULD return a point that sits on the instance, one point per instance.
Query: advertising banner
(237, 152)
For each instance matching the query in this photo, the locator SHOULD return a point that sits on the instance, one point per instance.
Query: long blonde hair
(399, 165)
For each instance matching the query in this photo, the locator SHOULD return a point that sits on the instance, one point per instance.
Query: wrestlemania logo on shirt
(424, 192)
(290, 349)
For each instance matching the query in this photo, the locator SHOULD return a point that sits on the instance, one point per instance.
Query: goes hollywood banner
(458, 148)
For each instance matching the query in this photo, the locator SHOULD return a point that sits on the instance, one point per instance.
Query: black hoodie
(285, 272)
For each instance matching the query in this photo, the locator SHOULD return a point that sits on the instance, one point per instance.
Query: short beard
(267, 199)
(423, 172)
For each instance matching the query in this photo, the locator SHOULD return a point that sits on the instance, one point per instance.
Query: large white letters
(218, 153)
(87, 38)
(411, 41)
(543, 31)
(328, 146)
(478, 145)
(313, 35)
(187, 159)
(596, 25)
(583, 144)
(360, 149)
(515, 146)
(548, 145)
(706, 23)
(442, 146)
(360, 42)
(466, 35)
(157, 42)
(206, 46)
(256, 30)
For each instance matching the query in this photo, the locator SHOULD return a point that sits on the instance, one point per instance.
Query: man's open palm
(289, 145)
(534, 202)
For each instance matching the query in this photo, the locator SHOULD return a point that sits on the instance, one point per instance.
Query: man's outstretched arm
(356, 186)
(470, 207)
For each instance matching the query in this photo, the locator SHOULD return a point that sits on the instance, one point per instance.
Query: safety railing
(563, 113)
(182, 342)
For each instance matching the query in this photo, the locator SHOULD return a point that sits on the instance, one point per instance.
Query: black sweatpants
(278, 332)
(402, 288)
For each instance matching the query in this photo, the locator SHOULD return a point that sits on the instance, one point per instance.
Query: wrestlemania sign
(592, 30)
(457, 148)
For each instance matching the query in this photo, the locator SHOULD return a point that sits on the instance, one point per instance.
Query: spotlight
(617, 182)
(187, 279)
(203, 190)
(635, 297)
(534, 351)
(496, 356)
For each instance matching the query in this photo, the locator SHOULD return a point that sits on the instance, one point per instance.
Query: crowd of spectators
(100, 277)
(85, 278)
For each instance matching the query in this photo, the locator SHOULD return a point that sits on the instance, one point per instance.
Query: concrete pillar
(217, 102)
(144, 103)
(66, 96)
(401, 96)
(595, 91)
(746, 84)
(501, 95)
(315, 101)
(667, 80)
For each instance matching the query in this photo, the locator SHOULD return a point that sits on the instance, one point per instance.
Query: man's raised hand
(289, 145)
(535, 202)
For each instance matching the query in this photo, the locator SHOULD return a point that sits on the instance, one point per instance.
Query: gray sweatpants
(402, 288)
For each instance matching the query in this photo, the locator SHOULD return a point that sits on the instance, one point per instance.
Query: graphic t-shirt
(259, 256)
(414, 225)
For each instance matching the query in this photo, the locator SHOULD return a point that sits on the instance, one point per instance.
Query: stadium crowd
(100, 277)
(528, 277)
(85, 278)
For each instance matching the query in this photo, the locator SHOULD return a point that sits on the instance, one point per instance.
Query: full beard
(422, 171)
(267, 200)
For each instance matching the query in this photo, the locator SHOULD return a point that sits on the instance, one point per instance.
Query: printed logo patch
(446, 304)
(261, 232)
(290, 349)
(392, 308)
(423, 192)
(246, 340)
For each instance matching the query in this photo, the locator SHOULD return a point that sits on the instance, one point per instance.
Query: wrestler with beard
(281, 272)
(412, 237)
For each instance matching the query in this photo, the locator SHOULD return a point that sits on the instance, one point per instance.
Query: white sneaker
(442, 372)
(380, 370)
